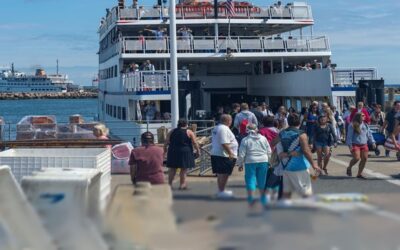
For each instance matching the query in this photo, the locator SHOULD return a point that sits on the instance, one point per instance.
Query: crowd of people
(276, 150)
(134, 67)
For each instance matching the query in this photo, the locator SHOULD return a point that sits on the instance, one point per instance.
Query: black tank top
(179, 139)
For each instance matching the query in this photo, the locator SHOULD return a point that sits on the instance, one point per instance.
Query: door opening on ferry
(226, 100)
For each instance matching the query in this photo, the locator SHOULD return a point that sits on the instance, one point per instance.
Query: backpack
(290, 142)
(243, 126)
(289, 137)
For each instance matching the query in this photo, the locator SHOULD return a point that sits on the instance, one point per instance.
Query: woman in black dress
(179, 150)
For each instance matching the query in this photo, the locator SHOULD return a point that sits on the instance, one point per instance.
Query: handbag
(390, 145)
(274, 160)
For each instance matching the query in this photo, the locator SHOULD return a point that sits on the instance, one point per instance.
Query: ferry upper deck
(278, 18)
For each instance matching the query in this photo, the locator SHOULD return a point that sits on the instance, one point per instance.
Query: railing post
(9, 131)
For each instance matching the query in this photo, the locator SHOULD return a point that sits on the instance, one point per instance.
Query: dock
(306, 224)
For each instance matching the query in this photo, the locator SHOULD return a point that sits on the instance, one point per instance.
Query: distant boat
(12, 81)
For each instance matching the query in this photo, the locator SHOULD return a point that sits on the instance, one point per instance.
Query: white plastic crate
(24, 161)
(104, 189)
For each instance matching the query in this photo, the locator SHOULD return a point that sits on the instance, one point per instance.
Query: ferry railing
(111, 18)
(349, 77)
(148, 81)
(233, 44)
(133, 128)
(289, 11)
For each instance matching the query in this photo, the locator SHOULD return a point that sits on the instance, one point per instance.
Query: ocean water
(14, 110)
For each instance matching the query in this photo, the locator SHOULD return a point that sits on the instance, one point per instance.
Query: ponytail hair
(356, 122)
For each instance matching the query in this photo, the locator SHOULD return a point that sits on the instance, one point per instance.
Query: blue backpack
(288, 137)
(290, 142)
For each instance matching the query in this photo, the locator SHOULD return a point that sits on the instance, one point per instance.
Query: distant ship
(12, 81)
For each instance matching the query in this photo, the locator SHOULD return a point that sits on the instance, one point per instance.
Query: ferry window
(288, 103)
(123, 113)
(115, 71)
(119, 113)
(114, 111)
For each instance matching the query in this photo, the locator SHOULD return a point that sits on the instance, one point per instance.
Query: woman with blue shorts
(324, 138)
(254, 153)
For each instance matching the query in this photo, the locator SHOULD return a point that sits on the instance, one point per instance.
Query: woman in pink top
(361, 109)
(269, 130)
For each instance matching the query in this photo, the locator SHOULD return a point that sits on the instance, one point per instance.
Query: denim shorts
(321, 144)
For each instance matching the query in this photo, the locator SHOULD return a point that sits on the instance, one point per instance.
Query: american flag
(230, 7)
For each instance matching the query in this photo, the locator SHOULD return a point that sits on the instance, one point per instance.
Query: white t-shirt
(223, 135)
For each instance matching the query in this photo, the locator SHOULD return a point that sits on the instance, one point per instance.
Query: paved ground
(371, 225)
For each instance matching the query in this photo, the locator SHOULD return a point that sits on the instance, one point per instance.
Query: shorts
(321, 144)
(359, 147)
(222, 165)
(298, 182)
(273, 181)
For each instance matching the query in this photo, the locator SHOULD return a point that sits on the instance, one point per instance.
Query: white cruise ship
(225, 55)
(12, 81)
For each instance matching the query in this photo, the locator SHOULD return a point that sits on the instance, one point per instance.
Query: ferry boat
(12, 81)
(228, 52)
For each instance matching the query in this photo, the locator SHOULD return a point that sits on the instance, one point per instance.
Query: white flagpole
(229, 28)
(174, 66)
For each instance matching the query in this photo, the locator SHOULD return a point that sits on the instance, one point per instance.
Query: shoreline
(67, 95)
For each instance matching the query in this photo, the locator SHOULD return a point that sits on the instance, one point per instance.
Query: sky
(362, 33)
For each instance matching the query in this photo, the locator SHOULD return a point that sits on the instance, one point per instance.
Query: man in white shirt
(223, 154)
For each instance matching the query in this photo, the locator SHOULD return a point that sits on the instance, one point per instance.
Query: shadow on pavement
(236, 185)
(210, 198)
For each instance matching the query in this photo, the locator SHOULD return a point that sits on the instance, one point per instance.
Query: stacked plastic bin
(24, 162)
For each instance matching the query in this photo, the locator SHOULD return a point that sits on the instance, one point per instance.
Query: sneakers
(226, 194)
(284, 203)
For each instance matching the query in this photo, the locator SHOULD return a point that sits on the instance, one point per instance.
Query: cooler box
(120, 158)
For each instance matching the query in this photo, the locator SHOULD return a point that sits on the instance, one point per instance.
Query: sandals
(325, 171)
(183, 188)
(348, 172)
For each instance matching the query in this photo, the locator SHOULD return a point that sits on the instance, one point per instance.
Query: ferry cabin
(258, 54)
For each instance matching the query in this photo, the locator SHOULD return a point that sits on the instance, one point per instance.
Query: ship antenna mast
(57, 66)
(12, 68)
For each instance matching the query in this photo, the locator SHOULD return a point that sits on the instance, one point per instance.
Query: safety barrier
(20, 225)
(62, 201)
(343, 77)
(146, 81)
